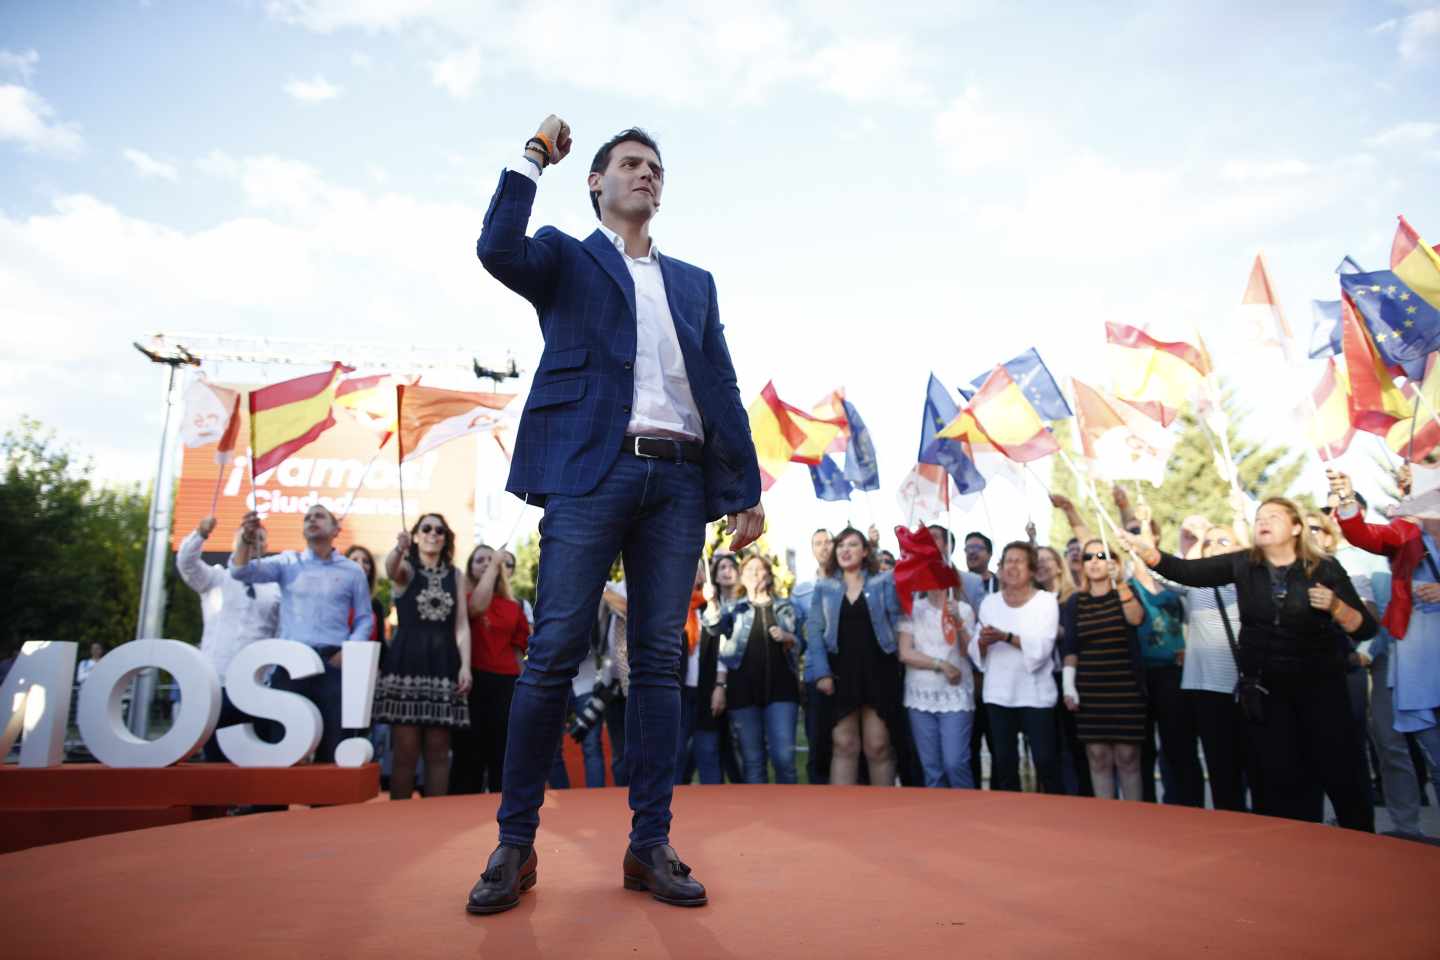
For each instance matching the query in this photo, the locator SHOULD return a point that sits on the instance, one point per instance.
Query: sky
(880, 191)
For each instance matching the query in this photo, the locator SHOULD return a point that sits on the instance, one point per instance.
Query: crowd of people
(1290, 652)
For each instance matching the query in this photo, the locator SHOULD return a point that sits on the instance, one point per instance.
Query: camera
(593, 711)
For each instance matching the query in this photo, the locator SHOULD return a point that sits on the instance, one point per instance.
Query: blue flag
(861, 466)
(829, 480)
(1405, 328)
(1034, 380)
(940, 409)
(1325, 338)
(1348, 266)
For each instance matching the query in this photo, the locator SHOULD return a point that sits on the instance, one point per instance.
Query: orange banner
(339, 469)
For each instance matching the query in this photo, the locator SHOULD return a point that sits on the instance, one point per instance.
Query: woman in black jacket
(1297, 607)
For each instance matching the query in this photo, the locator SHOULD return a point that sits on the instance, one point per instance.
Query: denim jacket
(735, 622)
(822, 628)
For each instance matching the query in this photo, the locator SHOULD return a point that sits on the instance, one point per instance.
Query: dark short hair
(823, 530)
(977, 535)
(602, 156)
(949, 537)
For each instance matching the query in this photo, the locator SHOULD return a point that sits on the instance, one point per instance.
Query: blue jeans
(943, 742)
(707, 756)
(767, 730)
(652, 512)
(683, 750)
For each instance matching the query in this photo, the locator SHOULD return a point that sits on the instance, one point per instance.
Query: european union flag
(1034, 380)
(829, 480)
(1325, 338)
(940, 409)
(861, 467)
(1405, 328)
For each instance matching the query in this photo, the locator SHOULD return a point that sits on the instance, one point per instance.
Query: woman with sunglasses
(422, 689)
(499, 635)
(1103, 680)
(1292, 602)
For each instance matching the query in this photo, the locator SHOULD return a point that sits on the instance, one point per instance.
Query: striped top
(1112, 707)
(1209, 663)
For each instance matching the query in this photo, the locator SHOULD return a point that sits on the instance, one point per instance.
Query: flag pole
(219, 481)
(350, 501)
(1414, 415)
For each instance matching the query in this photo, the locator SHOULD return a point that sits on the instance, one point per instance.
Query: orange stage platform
(797, 872)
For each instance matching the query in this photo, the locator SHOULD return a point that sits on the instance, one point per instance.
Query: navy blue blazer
(574, 421)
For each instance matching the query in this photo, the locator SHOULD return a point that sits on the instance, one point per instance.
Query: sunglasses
(1218, 542)
(431, 528)
(1087, 557)
(1315, 528)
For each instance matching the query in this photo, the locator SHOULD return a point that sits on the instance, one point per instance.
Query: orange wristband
(549, 146)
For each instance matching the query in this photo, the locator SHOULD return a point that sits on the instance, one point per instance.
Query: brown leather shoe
(510, 872)
(667, 879)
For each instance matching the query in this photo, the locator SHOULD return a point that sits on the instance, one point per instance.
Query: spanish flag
(1417, 265)
(1413, 438)
(774, 433)
(1331, 430)
(286, 416)
(1006, 419)
(371, 401)
(1375, 402)
(820, 433)
(1150, 370)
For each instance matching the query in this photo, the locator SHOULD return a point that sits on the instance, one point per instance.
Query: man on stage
(632, 438)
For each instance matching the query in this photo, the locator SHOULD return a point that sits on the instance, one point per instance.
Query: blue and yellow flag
(1405, 327)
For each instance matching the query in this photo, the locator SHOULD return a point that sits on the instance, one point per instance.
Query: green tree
(74, 550)
(1193, 480)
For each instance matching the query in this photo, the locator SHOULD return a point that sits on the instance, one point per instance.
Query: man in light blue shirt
(324, 601)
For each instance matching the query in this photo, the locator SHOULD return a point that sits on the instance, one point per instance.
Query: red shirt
(497, 635)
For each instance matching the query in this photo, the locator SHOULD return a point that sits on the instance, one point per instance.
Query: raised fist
(558, 132)
(205, 528)
(402, 541)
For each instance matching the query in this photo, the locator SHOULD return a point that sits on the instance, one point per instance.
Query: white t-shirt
(1018, 677)
(928, 690)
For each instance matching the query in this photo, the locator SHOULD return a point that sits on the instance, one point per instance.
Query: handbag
(1249, 692)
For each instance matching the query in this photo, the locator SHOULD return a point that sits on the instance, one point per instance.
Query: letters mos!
(38, 689)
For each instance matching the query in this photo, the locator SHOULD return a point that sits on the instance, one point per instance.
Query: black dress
(418, 683)
(865, 675)
(764, 676)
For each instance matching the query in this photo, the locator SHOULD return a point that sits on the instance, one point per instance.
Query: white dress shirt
(663, 405)
(233, 618)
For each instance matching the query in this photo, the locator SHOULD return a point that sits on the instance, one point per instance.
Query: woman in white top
(1209, 676)
(939, 686)
(1014, 647)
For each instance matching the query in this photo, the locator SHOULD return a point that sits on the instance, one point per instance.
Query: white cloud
(147, 166)
(218, 163)
(972, 138)
(1410, 134)
(735, 52)
(20, 66)
(1420, 35)
(361, 61)
(26, 118)
(1264, 169)
(315, 90)
(458, 73)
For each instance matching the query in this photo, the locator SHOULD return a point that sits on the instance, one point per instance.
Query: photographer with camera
(1293, 601)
